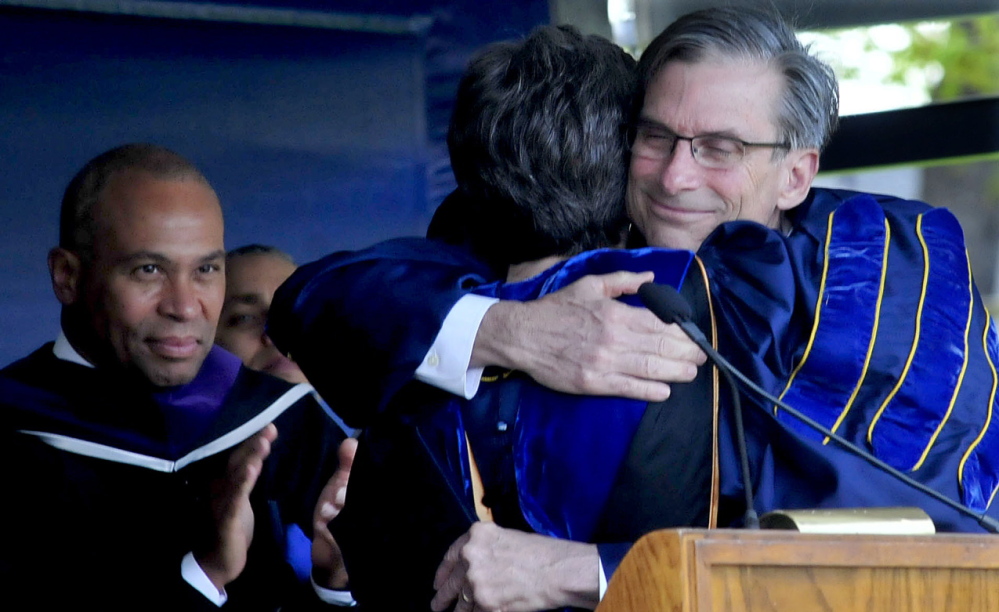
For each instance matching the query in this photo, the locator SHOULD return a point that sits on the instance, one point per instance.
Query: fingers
(328, 569)
(494, 568)
(328, 506)
(465, 602)
(334, 494)
(451, 559)
(450, 578)
(646, 376)
(346, 452)
(617, 385)
(610, 285)
(665, 356)
(327, 562)
(674, 341)
(257, 445)
(631, 354)
(224, 558)
(638, 331)
(246, 462)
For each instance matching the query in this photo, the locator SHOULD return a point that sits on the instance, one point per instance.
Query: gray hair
(809, 109)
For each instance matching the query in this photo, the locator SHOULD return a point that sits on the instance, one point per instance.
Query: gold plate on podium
(887, 521)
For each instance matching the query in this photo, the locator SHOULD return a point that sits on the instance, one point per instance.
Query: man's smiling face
(154, 288)
(676, 202)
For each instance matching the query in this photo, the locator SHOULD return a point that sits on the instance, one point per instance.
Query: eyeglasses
(653, 141)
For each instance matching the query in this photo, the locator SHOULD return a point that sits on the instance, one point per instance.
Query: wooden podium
(700, 570)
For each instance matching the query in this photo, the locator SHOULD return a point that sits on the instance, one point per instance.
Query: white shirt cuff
(197, 578)
(602, 577)
(445, 365)
(334, 597)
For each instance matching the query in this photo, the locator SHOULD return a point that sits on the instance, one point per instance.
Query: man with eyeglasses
(653, 141)
(654, 146)
(733, 114)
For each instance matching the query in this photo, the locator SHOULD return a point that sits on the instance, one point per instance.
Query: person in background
(253, 274)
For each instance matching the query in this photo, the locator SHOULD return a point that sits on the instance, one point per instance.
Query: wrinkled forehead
(715, 95)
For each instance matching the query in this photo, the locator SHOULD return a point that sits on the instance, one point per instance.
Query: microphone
(667, 304)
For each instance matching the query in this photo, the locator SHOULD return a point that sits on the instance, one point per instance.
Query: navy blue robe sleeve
(360, 323)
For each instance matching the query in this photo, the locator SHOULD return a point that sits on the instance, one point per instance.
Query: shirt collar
(65, 351)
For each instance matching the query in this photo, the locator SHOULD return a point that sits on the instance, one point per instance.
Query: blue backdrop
(318, 137)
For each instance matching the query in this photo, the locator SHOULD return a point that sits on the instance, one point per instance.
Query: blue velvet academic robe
(866, 318)
(765, 288)
(108, 484)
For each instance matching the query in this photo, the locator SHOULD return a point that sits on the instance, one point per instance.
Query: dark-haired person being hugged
(144, 468)
(825, 297)
(539, 154)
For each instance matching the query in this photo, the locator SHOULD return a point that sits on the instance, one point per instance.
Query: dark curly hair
(537, 145)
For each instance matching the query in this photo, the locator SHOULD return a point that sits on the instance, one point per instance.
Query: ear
(800, 168)
(66, 270)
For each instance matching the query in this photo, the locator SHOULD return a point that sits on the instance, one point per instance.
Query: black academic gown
(105, 496)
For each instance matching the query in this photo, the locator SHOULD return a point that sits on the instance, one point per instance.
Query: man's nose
(181, 300)
(680, 171)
